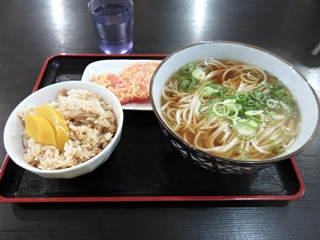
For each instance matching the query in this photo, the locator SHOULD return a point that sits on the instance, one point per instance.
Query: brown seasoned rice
(92, 125)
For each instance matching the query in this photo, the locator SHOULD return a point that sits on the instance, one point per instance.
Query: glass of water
(113, 24)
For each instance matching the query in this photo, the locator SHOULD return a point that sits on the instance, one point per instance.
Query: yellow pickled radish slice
(57, 122)
(39, 129)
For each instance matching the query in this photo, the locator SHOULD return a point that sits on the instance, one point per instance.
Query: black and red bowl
(294, 81)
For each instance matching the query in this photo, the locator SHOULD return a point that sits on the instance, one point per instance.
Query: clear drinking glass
(113, 24)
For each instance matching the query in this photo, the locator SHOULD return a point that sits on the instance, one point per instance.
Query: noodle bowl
(207, 120)
(231, 109)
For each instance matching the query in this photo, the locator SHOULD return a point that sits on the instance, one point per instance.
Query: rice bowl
(83, 158)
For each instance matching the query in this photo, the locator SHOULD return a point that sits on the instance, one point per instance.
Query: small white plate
(115, 67)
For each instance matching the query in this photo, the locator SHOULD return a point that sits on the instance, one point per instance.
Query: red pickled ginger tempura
(131, 84)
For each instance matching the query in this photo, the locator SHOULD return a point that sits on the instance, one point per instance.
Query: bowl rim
(236, 161)
(54, 172)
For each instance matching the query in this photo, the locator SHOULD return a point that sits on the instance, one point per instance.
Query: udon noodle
(231, 109)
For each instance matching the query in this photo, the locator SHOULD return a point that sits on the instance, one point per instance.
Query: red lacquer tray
(144, 167)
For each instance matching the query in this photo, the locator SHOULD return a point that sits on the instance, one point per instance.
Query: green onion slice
(203, 109)
(207, 91)
(275, 149)
(259, 96)
(253, 112)
(220, 109)
(233, 110)
(245, 131)
(227, 92)
(242, 96)
(286, 133)
(186, 84)
(189, 68)
(271, 103)
(198, 74)
(240, 153)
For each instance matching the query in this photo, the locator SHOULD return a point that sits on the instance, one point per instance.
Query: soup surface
(232, 109)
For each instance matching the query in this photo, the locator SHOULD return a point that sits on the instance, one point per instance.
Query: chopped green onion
(198, 74)
(243, 154)
(275, 149)
(227, 92)
(257, 118)
(253, 123)
(250, 103)
(220, 109)
(203, 67)
(242, 96)
(266, 85)
(229, 101)
(203, 109)
(185, 84)
(189, 68)
(233, 110)
(216, 88)
(206, 91)
(246, 110)
(282, 95)
(286, 133)
(245, 131)
(271, 103)
(253, 112)
(243, 120)
(239, 106)
(259, 96)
